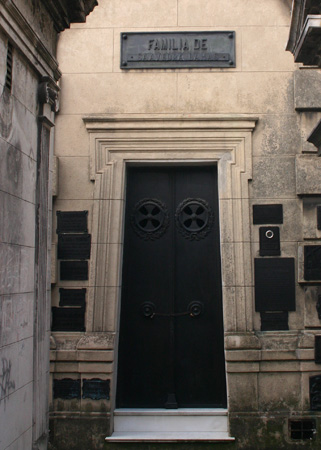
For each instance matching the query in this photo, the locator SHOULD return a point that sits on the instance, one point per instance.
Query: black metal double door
(171, 350)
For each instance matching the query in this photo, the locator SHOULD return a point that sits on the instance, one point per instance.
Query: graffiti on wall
(6, 382)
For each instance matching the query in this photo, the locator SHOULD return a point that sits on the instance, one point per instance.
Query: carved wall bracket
(48, 93)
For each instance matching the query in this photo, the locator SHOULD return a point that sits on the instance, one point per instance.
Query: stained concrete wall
(18, 178)
(28, 101)
(268, 372)
(24, 295)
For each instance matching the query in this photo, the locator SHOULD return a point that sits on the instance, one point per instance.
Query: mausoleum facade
(186, 229)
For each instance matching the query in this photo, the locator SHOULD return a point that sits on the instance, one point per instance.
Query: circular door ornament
(194, 218)
(150, 218)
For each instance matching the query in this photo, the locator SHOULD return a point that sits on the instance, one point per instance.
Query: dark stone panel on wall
(273, 321)
(72, 297)
(96, 389)
(72, 221)
(274, 284)
(74, 246)
(74, 270)
(267, 214)
(66, 388)
(68, 319)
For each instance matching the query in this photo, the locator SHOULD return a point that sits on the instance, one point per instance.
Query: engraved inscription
(190, 49)
(96, 389)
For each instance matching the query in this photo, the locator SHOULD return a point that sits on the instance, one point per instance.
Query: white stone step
(160, 421)
(217, 436)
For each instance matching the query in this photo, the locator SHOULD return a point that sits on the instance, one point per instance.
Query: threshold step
(170, 421)
(217, 436)
(170, 412)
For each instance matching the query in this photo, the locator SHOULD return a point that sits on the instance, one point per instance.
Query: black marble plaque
(317, 349)
(274, 284)
(72, 221)
(96, 389)
(74, 270)
(66, 388)
(267, 214)
(169, 50)
(272, 321)
(312, 262)
(270, 241)
(315, 393)
(72, 297)
(68, 319)
(74, 246)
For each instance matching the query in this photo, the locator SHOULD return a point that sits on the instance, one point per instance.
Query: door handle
(194, 309)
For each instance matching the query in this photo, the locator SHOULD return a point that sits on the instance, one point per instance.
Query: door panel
(170, 356)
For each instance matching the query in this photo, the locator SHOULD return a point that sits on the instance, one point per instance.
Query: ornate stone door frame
(116, 141)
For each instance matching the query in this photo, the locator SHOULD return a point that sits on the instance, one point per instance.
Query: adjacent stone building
(29, 100)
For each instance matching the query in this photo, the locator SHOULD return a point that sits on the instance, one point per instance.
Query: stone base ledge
(61, 340)
(82, 355)
(81, 367)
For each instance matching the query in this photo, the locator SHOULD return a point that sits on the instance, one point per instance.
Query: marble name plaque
(167, 50)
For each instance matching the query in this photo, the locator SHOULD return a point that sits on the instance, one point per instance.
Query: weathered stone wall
(267, 372)
(25, 220)
(19, 129)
